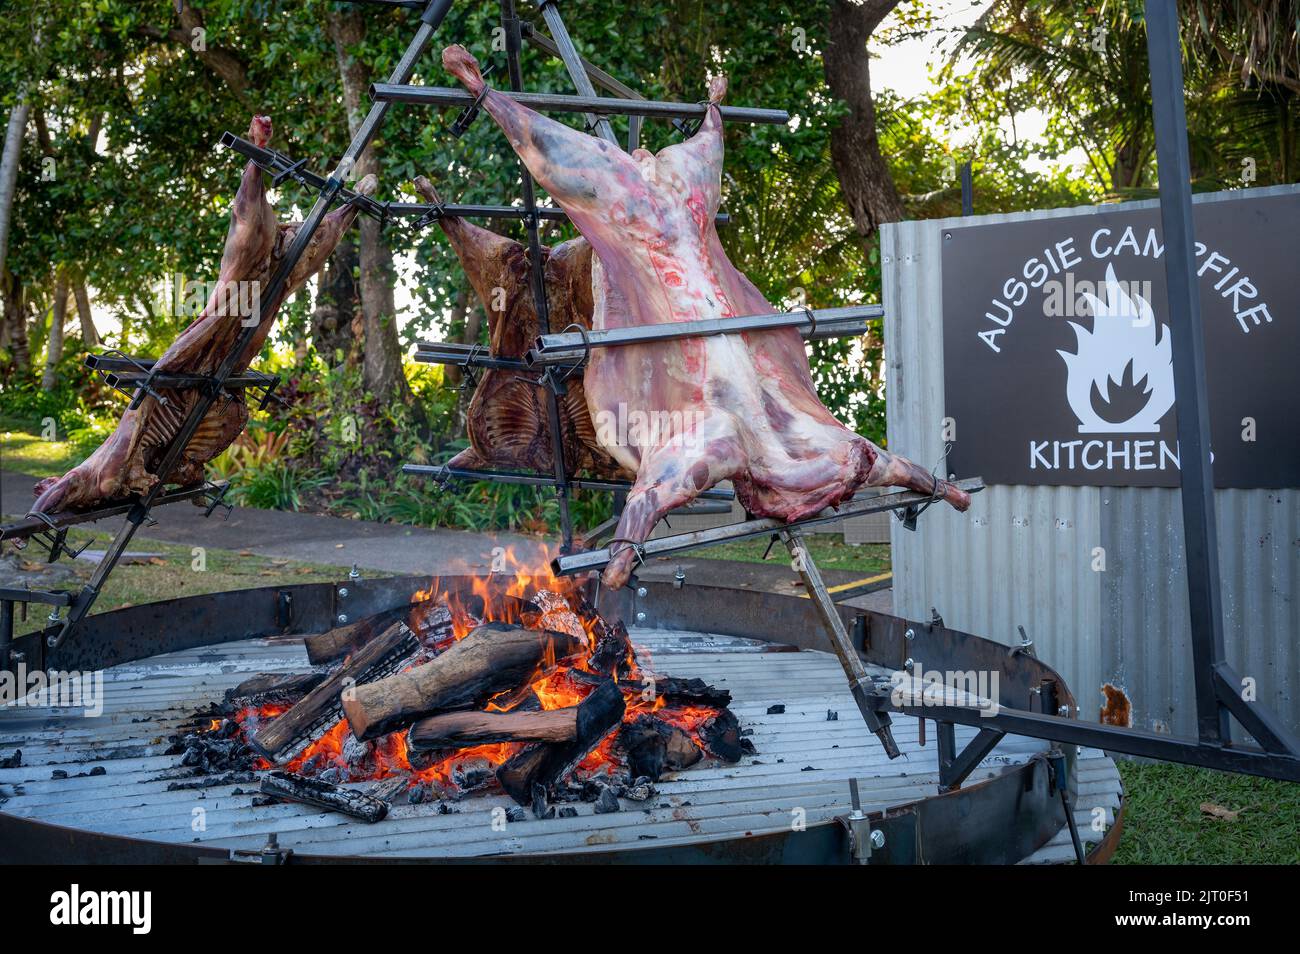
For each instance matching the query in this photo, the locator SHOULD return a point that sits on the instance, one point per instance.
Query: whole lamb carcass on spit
(739, 407)
(256, 243)
(507, 419)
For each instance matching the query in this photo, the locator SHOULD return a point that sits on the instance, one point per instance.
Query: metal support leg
(514, 42)
(1061, 773)
(859, 681)
(573, 63)
(6, 630)
(1218, 691)
(955, 767)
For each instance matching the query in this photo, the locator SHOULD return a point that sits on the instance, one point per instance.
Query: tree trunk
(864, 175)
(382, 350)
(89, 334)
(54, 348)
(337, 305)
(1126, 173)
(13, 326)
(452, 376)
(9, 160)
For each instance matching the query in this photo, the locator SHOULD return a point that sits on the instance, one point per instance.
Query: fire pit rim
(132, 633)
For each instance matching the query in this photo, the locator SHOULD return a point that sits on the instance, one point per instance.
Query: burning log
(721, 736)
(320, 708)
(274, 686)
(459, 730)
(341, 640)
(612, 654)
(495, 656)
(654, 746)
(545, 763)
(312, 791)
(690, 692)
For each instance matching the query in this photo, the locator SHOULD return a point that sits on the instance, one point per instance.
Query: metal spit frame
(1219, 693)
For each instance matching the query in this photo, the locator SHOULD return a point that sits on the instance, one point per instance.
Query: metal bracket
(216, 497)
(284, 610)
(461, 124)
(55, 539)
(272, 853)
(863, 839)
(294, 172)
(955, 767)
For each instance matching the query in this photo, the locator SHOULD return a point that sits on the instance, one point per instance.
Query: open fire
(515, 683)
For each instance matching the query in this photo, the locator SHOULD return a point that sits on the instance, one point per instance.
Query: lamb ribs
(739, 407)
(507, 419)
(126, 462)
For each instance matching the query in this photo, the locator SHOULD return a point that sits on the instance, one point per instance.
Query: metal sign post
(1218, 686)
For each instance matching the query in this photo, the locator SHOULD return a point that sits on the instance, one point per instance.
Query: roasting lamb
(507, 422)
(739, 407)
(125, 463)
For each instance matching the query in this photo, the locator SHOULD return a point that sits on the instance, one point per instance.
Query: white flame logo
(1121, 350)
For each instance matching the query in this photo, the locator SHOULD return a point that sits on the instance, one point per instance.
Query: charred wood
(462, 729)
(721, 736)
(319, 794)
(321, 707)
(338, 642)
(690, 692)
(274, 687)
(545, 763)
(654, 746)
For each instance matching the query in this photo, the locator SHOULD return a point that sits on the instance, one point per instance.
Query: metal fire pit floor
(803, 761)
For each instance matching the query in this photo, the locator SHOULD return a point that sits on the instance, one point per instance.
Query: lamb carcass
(255, 244)
(739, 407)
(507, 420)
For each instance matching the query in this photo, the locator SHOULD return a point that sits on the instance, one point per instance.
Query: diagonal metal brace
(860, 683)
(955, 767)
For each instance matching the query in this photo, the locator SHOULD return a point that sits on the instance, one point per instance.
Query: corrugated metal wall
(1024, 555)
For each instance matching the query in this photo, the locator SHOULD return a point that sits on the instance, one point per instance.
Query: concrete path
(317, 538)
(394, 548)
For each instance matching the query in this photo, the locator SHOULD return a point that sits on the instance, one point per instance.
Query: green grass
(26, 452)
(829, 551)
(1164, 824)
(132, 584)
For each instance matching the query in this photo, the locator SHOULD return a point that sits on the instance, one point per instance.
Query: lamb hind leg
(666, 480)
(893, 470)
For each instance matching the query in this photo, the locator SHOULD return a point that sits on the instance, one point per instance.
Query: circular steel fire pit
(163, 661)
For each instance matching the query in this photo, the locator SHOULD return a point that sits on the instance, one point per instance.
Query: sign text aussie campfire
(1057, 354)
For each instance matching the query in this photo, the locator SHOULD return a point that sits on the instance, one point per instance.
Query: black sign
(1057, 340)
